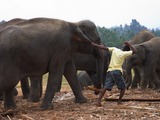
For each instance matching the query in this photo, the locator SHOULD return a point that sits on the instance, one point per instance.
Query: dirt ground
(66, 109)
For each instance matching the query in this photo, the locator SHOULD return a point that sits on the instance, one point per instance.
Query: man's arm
(99, 46)
(131, 47)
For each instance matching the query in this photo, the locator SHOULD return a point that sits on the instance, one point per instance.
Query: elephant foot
(34, 99)
(143, 87)
(134, 86)
(48, 106)
(10, 105)
(80, 100)
(25, 96)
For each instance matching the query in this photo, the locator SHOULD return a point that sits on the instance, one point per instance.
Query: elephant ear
(142, 52)
(81, 36)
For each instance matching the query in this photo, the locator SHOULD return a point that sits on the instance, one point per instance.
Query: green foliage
(115, 36)
(156, 32)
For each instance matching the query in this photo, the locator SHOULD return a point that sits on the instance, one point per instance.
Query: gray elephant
(84, 79)
(42, 45)
(147, 59)
(24, 84)
(141, 37)
(93, 64)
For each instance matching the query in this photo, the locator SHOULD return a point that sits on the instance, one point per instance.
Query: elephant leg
(128, 77)
(144, 82)
(151, 84)
(101, 68)
(134, 83)
(25, 87)
(9, 99)
(156, 81)
(147, 76)
(71, 76)
(36, 89)
(59, 87)
(15, 93)
(53, 81)
(149, 71)
(136, 79)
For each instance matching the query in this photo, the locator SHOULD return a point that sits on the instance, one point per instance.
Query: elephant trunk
(144, 82)
(100, 61)
(100, 66)
(128, 77)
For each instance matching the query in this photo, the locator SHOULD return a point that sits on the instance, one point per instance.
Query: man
(114, 73)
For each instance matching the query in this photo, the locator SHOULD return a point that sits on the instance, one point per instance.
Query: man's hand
(99, 46)
(93, 44)
(131, 47)
(127, 43)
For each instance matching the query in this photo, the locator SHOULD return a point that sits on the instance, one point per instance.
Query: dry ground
(66, 109)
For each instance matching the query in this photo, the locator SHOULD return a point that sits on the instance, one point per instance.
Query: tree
(115, 36)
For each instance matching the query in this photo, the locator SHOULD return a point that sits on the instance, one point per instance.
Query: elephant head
(134, 60)
(85, 33)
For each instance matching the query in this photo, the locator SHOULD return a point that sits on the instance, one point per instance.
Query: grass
(45, 79)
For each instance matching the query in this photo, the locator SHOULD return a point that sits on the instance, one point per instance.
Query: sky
(107, 13)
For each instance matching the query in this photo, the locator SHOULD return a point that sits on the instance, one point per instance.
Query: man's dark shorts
(114, 78)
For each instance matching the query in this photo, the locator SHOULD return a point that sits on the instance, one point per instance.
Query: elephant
(41, 45)
(84, 79)
(24, 84)
(91, 68)
(147, 58)
(86, 62)
(141, 37)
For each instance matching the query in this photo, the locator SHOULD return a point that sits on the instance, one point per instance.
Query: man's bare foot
(93, 88)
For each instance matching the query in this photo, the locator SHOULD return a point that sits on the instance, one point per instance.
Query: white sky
(106, 13)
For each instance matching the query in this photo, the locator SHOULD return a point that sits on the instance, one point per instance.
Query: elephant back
(142, 36)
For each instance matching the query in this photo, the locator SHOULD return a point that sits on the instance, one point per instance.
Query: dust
(66, 109)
